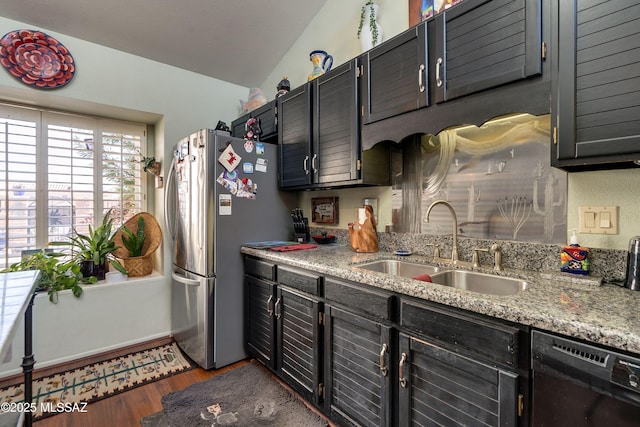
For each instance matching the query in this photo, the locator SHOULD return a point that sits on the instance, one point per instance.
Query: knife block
(362, 234)
(304, 236)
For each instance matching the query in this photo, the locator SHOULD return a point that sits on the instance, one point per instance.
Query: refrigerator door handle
(170, 181)
(184, 280)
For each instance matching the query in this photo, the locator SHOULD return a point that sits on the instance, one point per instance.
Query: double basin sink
(461, 279)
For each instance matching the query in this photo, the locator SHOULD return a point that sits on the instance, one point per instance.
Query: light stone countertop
(16, 290)
(571, 305)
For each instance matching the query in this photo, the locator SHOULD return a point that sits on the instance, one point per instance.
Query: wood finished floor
(126, 409)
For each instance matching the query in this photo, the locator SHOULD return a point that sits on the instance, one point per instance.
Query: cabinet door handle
(269, 309)
(438, 65)
(277, 309)
(313, 163)
(383, 368)
(420, 78)
(304, 165)
(401, 378)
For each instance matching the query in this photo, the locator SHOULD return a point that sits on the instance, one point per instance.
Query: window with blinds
(60, 172)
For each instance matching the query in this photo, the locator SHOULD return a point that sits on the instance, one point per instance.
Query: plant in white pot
(369, 31)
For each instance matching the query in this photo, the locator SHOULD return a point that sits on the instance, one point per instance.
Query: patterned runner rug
(76, 388)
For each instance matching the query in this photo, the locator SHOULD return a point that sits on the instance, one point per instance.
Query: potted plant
(93, 250)
(55, 274)
(369, 27)
(151, 165)
(138, 239)
(133, 242)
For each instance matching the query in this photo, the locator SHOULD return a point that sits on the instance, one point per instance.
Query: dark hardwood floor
(126, 409)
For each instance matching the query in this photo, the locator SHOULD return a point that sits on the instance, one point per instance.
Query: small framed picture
(324, 210)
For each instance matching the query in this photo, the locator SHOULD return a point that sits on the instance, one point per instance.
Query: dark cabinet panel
(259, 268)
(439, 387)
(283, 327)
(375, 303)
(336, 127)
(596, 92)
(482, 44)
(302, 280)
(395, 75)
(298, 354)
(267, 118)
(295, 137)
(473, 335)
(358, 369)
(319, 131)
(260, 326)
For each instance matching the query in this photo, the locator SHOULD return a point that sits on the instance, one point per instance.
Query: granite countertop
(16, 290)
(570, 305)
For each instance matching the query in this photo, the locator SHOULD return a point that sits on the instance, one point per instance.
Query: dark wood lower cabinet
(365, 360)
(260, 327)
(358, 372)
(283, 331)
(298, 337)
(439, 387)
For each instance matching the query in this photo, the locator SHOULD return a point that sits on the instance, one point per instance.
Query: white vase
(366, 35)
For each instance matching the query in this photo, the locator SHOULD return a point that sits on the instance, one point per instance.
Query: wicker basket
(138, 266)
(142, 265)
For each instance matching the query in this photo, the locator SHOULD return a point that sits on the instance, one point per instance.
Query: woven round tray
(151, 229)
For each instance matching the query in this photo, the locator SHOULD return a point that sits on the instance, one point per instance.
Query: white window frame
(100, 126)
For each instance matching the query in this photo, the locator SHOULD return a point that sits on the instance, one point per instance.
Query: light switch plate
(598, 219)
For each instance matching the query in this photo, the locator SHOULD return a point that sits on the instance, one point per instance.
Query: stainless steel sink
(399, 268)
(479, 282)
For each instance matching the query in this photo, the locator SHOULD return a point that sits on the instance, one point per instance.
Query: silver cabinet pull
(383, 368)
(313, 163)
(403, 380)
(269, 309)
(438, 65)
(304, 165)
(420, 82)
(277, 309)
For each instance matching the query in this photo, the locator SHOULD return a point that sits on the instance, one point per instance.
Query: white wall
(104, 318)
(334, 29)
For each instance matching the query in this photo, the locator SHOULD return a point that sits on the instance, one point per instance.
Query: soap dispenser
(574, 258)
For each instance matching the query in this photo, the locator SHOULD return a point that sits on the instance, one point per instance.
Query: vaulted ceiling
(238, 41)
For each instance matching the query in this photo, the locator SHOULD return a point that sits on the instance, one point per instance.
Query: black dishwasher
(577, 384)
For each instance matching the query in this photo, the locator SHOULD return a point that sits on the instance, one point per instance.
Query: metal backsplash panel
(497, 177)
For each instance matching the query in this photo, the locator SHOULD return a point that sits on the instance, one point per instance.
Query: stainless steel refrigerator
(221, 192)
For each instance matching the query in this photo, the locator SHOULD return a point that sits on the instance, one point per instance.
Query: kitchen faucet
(454, 251)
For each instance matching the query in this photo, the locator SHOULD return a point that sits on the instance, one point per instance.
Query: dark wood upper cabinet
(319, 135)
(596, 85)
(267, 118)
(484, 44)
(395, 76)
(294, 137)
(336, 126)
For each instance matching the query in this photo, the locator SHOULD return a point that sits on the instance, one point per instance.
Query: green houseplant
(55, 274)
(134, 242)
(94, 249)
(151, 165)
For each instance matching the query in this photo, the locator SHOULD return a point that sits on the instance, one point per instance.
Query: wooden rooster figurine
(363, 234)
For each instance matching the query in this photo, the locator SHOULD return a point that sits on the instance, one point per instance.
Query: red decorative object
(36, 59)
